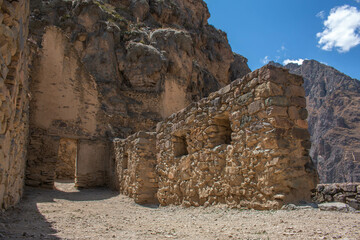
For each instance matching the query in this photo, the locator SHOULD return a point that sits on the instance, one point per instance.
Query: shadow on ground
(24, 221)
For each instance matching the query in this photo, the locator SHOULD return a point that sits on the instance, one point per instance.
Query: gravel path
(67, 213)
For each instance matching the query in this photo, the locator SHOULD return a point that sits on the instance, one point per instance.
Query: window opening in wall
(180, 146)
(113, 166)
(224, 130)
(125, 161)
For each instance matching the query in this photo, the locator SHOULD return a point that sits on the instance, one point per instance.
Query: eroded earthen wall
(13, 99)
(135, 162)
(246, 145)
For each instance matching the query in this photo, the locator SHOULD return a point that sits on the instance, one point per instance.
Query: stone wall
(135, 161)
(67, 154)
(246, 145)
(91, 165)
(338, 192)
(13, 99)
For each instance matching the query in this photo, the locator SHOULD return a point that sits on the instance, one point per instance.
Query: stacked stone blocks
(135, 161)
(14, 100)
(246, 145)
(348, 193)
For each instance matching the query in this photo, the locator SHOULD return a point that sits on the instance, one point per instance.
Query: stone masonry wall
(338, 192)
(13, 99)
(91, 164)
(246, 145)
(135, 161)
(67, 154)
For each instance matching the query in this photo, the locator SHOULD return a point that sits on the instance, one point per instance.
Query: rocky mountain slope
(149, 58)
(333, 101)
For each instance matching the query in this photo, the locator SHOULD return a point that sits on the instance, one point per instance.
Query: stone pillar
(42, 158)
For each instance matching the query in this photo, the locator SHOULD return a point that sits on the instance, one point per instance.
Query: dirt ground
(67, 213)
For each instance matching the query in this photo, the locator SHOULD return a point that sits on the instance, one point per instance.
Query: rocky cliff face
(149, 58)
(333, 101)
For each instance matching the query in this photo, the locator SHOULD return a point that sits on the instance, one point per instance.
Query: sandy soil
(67, 213)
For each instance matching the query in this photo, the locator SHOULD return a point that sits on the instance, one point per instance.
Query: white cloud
(298, 61)
(282, 49)
(341, 29)
(265, 60)
(358, 1)
(321, 14)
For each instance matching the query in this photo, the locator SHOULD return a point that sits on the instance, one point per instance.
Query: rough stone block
(276, 111)
(244, 99)
(298, 101)
(349, 187)
(294, 113)
(281, 122)
(255, 106)
(268, 89)
(297, 91)
(302, 124)
(277, 101)
(299, 133)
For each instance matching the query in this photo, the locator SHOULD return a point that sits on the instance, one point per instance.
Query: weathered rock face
(334, 121)
(149, 58)
(245, 145)
(14, 99)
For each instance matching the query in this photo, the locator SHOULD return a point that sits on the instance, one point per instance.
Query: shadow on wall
(25, 221)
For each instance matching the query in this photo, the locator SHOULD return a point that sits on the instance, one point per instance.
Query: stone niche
(14, 100)
(135, 161)
(246, 145)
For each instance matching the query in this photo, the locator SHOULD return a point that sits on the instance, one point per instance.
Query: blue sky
(281, 30)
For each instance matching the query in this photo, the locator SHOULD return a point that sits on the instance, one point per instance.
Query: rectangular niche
(125, 161)
(180, 146)
(223, 130)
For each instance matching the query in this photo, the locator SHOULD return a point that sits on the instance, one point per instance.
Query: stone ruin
(348, 193)
(246, 145)
(134, 163)
(14, 99)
